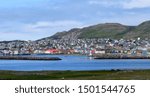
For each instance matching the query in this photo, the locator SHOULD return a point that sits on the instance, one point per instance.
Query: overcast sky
(35, 19)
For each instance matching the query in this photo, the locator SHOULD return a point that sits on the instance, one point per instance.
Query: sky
(35, 19)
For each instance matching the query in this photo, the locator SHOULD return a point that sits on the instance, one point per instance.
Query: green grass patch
(76, 75)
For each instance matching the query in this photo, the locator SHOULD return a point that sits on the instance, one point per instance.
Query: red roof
(52, 50)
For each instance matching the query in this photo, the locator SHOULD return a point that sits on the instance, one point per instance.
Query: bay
(74, 62)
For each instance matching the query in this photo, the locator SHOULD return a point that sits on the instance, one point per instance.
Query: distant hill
(142, 30)
(107, 30)
(16, 41)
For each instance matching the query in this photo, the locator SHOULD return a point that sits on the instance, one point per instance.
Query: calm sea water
(73, 63)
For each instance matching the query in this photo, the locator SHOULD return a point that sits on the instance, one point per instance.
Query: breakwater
(110, 56)
(29, 58)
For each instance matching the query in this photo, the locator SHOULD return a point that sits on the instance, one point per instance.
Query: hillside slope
(142, 30)
(107, 30)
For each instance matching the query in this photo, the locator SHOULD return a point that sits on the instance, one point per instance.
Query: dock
(29, 58)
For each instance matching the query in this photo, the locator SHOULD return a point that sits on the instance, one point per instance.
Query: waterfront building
(52, 51)
(100, 51)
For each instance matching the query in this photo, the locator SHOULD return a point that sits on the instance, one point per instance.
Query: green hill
(142, 30)
(107, 30)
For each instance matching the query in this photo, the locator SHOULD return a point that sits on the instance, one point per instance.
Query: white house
(100, 51)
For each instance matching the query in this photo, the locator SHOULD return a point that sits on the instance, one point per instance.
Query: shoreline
(96, 57)
(76, 75)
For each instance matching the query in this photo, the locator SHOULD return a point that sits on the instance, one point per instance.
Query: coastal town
(89, 47)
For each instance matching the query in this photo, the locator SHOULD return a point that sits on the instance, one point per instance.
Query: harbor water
(74, 62)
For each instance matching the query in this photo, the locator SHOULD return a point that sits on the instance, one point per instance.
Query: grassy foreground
(76, 75)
